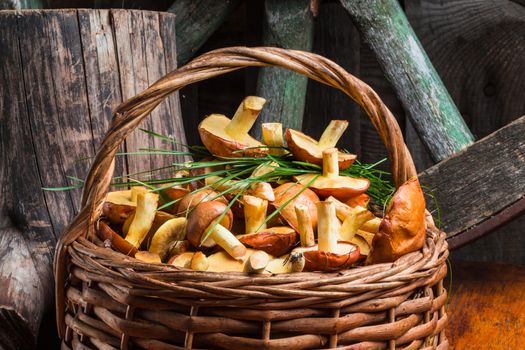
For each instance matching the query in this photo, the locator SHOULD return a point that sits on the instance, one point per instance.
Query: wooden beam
(486, 181)
(287, 24)
(385, 28)
(21, 4)
(196, 21)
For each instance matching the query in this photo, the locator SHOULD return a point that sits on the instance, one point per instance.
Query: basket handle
(129, 114)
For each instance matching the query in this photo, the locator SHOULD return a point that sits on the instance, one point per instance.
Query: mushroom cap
(117, 213)
(169, 194)
(106, 233)
(307, 197)
(202, 216)
(306, 149)
(341, 187)
(275, 241)
(403, 228)
(196, 198)
(315, 260)
(220, 143)
(361, 200)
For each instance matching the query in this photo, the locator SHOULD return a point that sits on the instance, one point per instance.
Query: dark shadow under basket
(106, 300)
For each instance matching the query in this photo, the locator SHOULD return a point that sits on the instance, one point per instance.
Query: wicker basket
(106, 300)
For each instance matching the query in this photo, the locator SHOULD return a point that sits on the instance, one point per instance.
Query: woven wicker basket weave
(107, 300)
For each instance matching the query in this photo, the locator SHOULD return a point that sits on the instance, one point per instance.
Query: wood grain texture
(486, 306)
(477, 47)
(479, 181)
(196, 22)
(56, 97)
(324, 104)
(287, 24)
(385, 28)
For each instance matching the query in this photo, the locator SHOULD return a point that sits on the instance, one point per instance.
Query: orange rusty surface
(487, 306)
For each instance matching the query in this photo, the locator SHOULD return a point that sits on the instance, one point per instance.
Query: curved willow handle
(130, 113)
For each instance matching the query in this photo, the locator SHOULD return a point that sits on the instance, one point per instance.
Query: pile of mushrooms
(313, 222)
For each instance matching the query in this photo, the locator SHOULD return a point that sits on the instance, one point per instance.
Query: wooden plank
(372, 146)
(287, 24)
(102, 74)
(196, 22)
(324, 103)
(484, 74)
(479, 181)
(22, 203)
(134, 47)
(385, 28)
(486, 304)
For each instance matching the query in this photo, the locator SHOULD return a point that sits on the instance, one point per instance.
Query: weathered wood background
(477, 47)
(56, 108)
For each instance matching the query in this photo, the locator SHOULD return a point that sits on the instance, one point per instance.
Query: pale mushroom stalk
(245, 116)
(272, 134)
(264, 169)
(143, 218)
(327, 231)
(357, 217)
(341, 209)
(332, 133)
(257, 262)
(305, 229)
(226, 240)
(262, 190)
(330, 163)
(254, 213)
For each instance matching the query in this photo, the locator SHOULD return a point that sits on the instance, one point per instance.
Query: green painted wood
(385, 28)
(287, 24)
(21, 4)
(196, 21)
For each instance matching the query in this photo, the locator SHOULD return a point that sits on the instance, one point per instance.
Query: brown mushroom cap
(196, 198)
(330, 183)
(340, 187)
(346, 254)
(170, 194)
(106, 234)
(117, 213)
(202, 216)
(306, 149)
(403, 228)
(307, 197)
(220, 143)
(275, 241)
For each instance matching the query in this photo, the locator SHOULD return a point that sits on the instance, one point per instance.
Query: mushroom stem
(259, 189)
(332, 133)
(199, 262)
(272, 134)
(327, 228)
(254, 213)
(264, 169)
(227, 241)
(341, 209)
(258, 261)
(330, 162)
(304, 226)
(357, 217)
(245, 116)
